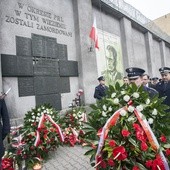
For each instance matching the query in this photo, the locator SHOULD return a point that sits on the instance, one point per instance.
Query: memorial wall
(38, 58)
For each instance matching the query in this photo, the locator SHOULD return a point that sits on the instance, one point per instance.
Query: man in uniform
(4, 126)
(100, 90)
(135, 75)
(163, 87)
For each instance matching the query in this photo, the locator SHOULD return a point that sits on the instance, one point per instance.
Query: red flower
(125, 133)
(72, 139)
(149, 163)
(163, 139)
(140, 135)
(167, 152)
(143, 146)
(136, 127)
(111, 162)
(158, 163)
(135, 168)
(103, 164)
(119, 153)
(112, 143)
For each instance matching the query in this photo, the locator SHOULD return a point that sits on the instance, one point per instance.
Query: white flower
(131, 109)
(123, 112)
(33, 117)
(104, 114)
(155, 112)
(135, 95)
(113, 95)
(32, 113)
(29, 120)
(32, 120)
(123, 92)
(104, 107)
(150, 120)
(131, 119)
(110, 108)
(126, 98)
(74, 115)
(139, 108)
(147, 101)
(39, 109)
(116, 101)
(38, 114)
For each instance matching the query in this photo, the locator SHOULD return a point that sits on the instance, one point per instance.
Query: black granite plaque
(53, 99)
(9, 65)
(25, 66)
(50, 46)
(46, 85)
(62, 52)
(68, 68)
(64, 85)
(38, 45)
(14, 66)
(26, 86)
(46, 66)
(23, 46)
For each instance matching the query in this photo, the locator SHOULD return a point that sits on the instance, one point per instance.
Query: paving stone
(68, 158)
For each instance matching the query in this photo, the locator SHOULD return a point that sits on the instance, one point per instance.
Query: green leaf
(133, 142)
(90, 152)
(166, 146)
(141, 166)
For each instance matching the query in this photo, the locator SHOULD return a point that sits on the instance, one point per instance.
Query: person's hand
(2, 96)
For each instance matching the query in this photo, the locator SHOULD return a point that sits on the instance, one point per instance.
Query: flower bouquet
(128, 130)
(39, 135)
(72, 123)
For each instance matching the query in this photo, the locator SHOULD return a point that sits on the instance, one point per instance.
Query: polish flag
(94, 35)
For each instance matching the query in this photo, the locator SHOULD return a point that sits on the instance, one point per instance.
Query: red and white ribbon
(41, 122)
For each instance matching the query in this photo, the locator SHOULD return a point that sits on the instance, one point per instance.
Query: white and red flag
(94, 35)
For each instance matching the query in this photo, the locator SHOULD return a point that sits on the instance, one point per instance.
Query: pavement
(68, 158)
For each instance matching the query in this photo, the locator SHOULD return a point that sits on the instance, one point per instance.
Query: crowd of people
(137, 75)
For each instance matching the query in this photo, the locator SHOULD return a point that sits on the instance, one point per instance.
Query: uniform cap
(101, 78)
(134, 72)
(164, 70)
(155, 78)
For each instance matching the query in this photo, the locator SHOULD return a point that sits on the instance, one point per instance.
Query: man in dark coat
(135, 75)
(100, 90)
(163, 87)
(4, 126)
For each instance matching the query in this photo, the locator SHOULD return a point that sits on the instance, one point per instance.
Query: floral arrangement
(72, 123)
(128, 130)
(39, 135)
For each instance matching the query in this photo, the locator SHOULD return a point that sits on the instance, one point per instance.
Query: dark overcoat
(100, 91)
(4, 125)
(164, 90)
